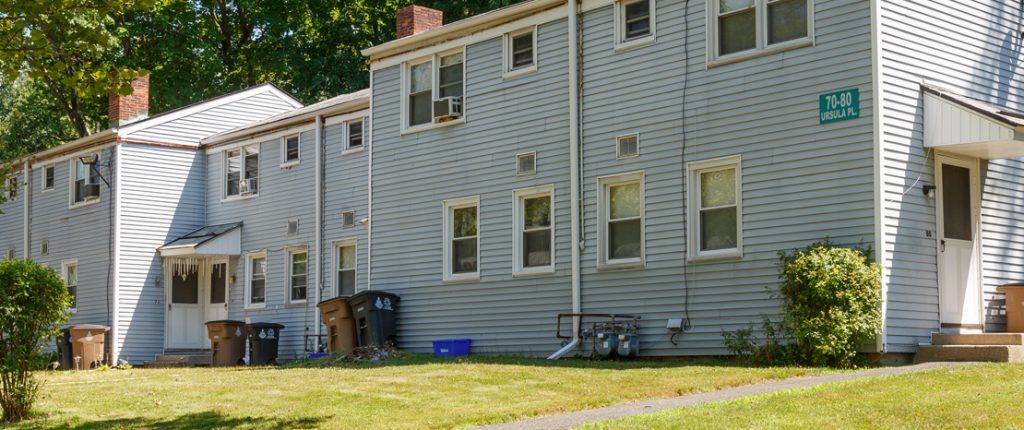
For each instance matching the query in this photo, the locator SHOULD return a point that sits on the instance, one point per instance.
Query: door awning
(221, 239)
(962, 125)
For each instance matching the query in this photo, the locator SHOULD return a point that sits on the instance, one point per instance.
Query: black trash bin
(263, 339)
(374, 313)
(66, 357)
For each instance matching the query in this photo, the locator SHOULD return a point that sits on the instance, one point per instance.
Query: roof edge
(248, 131)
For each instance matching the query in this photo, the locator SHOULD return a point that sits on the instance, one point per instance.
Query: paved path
(571, 420)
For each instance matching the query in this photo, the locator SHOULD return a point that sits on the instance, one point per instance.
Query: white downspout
(115, 326)
(26, 170)
(318, 187)
(369, 192)
(574, 180)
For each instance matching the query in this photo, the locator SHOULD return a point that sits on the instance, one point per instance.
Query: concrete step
(1014, 339)
(991, 353)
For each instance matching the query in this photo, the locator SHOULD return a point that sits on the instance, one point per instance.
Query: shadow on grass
(410, 359)
(199, 420)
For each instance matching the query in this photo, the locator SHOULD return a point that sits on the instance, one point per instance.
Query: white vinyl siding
(716, 215)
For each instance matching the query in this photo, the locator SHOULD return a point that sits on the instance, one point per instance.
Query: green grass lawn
(981, 396)
(411, 392)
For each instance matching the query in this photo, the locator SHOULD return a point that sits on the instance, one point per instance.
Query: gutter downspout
(318, 188)
(368, 131)
(26, 213)
(574, 180)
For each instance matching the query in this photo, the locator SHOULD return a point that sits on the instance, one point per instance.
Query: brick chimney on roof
(122, 110)
(414, 19)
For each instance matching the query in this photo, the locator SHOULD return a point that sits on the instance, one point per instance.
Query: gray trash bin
(263, 340)
(374, 313)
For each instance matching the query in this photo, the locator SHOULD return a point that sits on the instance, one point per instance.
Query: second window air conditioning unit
(248, 187)
(447, 108)
(91, 191)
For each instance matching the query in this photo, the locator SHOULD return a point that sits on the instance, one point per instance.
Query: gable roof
(1007, 116)
(344, 103)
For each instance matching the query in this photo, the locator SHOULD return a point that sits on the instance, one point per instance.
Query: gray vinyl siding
(81, 233)
(801, 182)
(163, 198)
(190, 129)
(12, 219)
(415, 173)
(345, 189)
(284, 194)
(967, 47)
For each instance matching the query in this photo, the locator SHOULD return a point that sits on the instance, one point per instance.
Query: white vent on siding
(627, 146)
(348, 218)
(526, 164)
(293, 227)
(44, 248)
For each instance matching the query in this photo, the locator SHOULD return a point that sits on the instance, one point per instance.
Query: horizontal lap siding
(968, 47)
(345, 182)
(284, 194)
(802, 182)
(191, 128)
(415, 173)
(81, 233)
(163, 198)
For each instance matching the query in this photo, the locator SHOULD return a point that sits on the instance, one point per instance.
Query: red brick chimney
(414, 19)
(122, 110)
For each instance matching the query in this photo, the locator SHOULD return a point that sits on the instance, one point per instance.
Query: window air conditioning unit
(247, 187)
(91, 191)
(447, 108)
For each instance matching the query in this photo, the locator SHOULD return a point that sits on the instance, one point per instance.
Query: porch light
(928, 191)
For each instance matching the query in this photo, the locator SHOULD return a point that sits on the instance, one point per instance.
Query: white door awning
(212, 240)
(962, 125)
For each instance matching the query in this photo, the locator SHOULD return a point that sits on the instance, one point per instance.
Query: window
(756, 25)
(345, 263)
(48, 177)
(256, 293)
(290, 150)
(355, 134)
(634, 23)
(526, 164)
(348, 219)
(83, 176)
(520, 52)
(70, 269)
(462, 241)
(12, 188)
(621, 239)
(44, 247)
(298, 260)
(715, 209)
(242, 171)
(422, 88)
(534, 234)
(627, 146)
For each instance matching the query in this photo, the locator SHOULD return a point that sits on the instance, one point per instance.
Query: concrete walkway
(571, 420)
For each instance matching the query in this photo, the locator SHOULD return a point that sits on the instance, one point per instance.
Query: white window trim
(349, 149)
(64, 264)
(72, 168)
(17, 188)
(285, 163)
(618, 154)
(448, 207)
(224, 176)
(506, 63)
(603, 183)
(518, 196)
(292, 250)
(336, 261)
(435, 61)
(621, 44)
(42, 179)
(693, 170)
(534, 172)
(249, 305)
(761, 47)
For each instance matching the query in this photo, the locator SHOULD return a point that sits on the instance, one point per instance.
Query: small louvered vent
(293, 227)
(44, 248)
(628, 146)
(526, 164)
(348, 218)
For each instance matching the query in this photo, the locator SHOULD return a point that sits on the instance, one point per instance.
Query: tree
(34, 302)
(70, 48)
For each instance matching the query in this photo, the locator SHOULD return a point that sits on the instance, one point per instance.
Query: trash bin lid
(90, 327)
(335, 299)
(266, 325)
(365, 294)
(226, 322)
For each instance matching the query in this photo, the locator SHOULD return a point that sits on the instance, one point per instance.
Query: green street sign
(839, 106)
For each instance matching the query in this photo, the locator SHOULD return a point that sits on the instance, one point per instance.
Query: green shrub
(832, 302)
(34, 302)
(776, 349)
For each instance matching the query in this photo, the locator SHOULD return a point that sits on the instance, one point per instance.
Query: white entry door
(959, 247)
(216, 303)
(185, 329)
